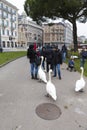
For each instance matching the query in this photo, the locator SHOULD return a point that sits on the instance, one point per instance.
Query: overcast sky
(81, 28)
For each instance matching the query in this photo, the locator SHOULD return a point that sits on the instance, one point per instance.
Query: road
(20, 96)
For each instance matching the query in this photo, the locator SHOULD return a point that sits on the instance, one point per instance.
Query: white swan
(80, 84)
(74, 57)
(50, 88)
(41, 73)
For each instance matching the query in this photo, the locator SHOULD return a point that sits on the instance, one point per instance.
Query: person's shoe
(36, 77)
(67, 68)
(32, 76)
(54, 75)
(59, 78)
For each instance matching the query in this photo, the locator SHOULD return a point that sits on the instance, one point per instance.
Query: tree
(71, 10)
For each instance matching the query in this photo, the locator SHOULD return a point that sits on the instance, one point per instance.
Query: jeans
(57, 67)
(82, 62)
(34, 69)
(64, 56)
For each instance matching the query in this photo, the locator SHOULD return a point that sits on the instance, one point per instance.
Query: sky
(81, 27)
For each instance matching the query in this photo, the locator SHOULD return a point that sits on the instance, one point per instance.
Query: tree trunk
(75, 35)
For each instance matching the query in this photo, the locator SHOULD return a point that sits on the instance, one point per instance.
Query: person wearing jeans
(31, 54)
(64, 52)
(83, 56)
(57, 68)
(57, 61)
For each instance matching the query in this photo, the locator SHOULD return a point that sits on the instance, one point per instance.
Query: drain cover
(48, 111)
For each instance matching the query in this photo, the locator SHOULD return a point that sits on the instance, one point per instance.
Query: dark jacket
(57, 57)
(64, 49)
(31, 54)
(43, 53)
(84, 54)
(49, 56)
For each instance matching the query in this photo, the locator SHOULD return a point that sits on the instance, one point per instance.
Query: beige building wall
(54, 33)
(33, 32)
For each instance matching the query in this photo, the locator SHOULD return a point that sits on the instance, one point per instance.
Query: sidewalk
(20, 96)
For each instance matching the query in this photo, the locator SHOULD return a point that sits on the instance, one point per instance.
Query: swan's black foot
(47, 95)
(81, 90)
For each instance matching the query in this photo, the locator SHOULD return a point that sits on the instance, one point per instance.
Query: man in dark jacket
(57, 61)
(43, 53)
(31, 54)
(83, 55)
(49, 55)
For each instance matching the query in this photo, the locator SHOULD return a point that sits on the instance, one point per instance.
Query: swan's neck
(41, 61)
(82, 73)
(50, 76)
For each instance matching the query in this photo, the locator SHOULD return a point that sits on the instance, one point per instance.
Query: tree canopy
(71, 10)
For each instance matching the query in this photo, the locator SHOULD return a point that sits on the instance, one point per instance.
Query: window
(8, 32)
(3, 43)
(3, 32)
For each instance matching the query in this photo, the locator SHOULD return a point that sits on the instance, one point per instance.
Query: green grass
(5, 57)
(77, 62)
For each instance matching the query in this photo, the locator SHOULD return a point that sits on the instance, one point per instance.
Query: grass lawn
(77, 62)
(5, 57)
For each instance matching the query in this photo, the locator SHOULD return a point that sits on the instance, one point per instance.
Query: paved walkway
(20, 96)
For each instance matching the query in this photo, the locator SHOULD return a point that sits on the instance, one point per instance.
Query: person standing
(43, 53)
(64, 52)
(31, 54)
(57, 61)
(83, 56)
(49, 58)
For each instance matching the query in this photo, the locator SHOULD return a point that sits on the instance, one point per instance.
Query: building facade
(68, 33)
(57, 33)
(8, 25)
(32, 31)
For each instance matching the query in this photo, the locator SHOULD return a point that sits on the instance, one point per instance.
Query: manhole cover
(48, 111)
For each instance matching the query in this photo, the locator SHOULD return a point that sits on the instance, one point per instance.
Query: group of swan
(50, 87)
(80, 84)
